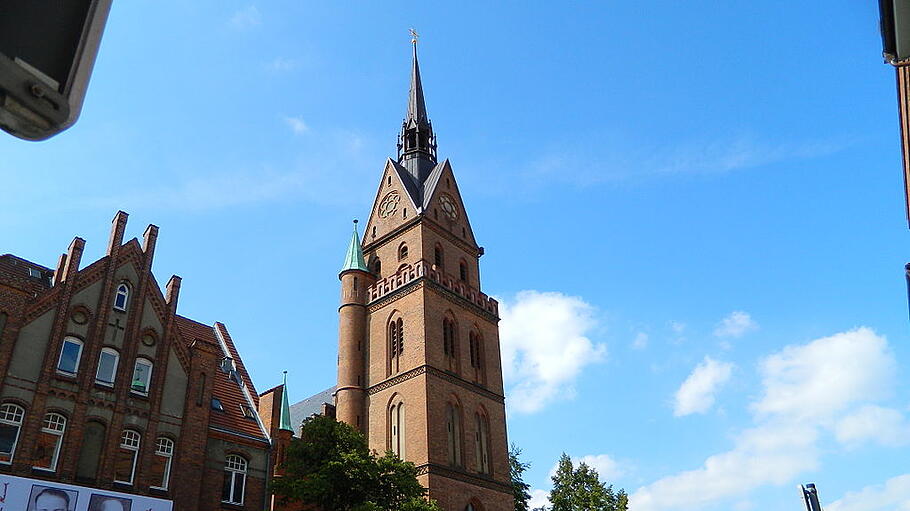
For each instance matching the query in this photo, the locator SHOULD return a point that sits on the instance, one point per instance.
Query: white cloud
(640, 342)
(737, 324)
(806, 388)
(696, 394)
(245, 18)
(677, 327)
(545, 345)
(539, 498)
(885, 426)
(894, 495)
(297, 125)
(825, 376)
(607, 468)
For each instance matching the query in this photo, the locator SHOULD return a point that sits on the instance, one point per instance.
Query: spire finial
(416, 143)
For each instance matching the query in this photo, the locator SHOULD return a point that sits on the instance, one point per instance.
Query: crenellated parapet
(424, 269)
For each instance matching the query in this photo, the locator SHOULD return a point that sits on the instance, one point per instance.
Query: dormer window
(34, 273)
(121, 298)
(247, 412)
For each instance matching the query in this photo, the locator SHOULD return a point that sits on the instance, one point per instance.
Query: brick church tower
(419, 368)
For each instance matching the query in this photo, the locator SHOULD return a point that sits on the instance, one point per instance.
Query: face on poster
(23, 494)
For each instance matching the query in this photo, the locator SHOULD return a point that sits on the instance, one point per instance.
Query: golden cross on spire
(414, 35)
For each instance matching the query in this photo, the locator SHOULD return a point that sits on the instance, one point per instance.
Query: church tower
(419, 363)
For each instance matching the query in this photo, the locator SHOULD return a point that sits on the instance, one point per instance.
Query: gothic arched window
(449, 342)
(463, 271)
(477, 362)
(122, 296)
(453, 434)
(396, 344)
(377, 266)
(402, 251)
(397, 428)
(481, 443)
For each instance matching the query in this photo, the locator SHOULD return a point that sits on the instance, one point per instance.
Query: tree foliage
(331, 467)
(580, 489)
(520, 489)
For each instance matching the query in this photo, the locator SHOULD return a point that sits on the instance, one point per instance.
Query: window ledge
(141, 395)
(123, 485)
(231, 505)
(66, 376)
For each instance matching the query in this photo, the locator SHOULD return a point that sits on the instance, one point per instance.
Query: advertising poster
(22, 494)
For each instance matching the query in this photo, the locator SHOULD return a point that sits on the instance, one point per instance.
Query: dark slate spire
(417, 143)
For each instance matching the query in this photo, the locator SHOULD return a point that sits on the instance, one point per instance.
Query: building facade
(419, 369)
(103, 386)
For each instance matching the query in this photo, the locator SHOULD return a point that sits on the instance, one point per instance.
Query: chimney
(117, 229)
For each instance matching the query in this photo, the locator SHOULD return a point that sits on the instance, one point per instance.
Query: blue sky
(692, 215)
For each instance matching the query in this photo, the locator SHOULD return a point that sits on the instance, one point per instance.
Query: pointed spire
(417, 143)
(417, 108)
(353, 260)
(285, 420)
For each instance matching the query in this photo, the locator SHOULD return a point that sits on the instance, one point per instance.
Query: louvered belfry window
(396, 344)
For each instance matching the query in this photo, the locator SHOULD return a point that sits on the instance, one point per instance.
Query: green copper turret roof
(354, 258)
(285, 420)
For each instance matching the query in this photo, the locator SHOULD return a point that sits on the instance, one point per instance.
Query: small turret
(350, 395)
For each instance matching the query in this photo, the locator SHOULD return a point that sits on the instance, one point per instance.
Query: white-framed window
(122, 297)
(70, 355)
(107, 367)
(11, 417)
(234, 480)
(142, 376)
(125, 462)
(50, 439)
(161, 466)
(34, 273)
(397, 429)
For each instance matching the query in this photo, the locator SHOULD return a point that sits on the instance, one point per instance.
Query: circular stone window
(148, 340)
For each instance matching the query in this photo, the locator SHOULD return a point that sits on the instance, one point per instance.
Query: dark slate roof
(310, 406)
(420, 193)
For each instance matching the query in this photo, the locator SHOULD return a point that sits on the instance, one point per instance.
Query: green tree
(580, 489)
(331, 467)
(520, 489)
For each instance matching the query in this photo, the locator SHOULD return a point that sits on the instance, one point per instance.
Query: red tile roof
(228, 391)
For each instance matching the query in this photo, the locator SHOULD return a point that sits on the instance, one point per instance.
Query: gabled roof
(232, 392)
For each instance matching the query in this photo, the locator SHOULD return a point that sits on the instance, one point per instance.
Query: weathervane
(414, 35)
